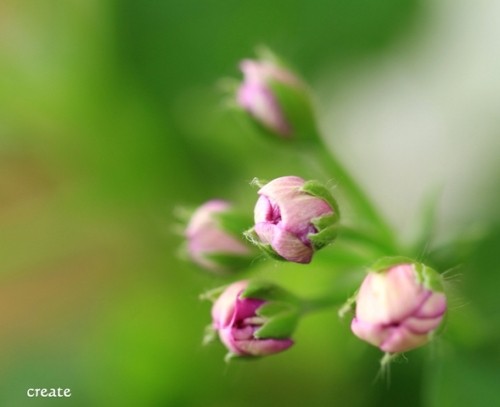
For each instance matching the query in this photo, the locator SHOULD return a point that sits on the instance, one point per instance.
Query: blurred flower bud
(214, 238)
(293, 218)
(276, 99)
(399, 305)
(255, 319)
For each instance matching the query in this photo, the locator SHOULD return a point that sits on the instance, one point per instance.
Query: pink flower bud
(289, 219)
(208, 243)
(258, 95)
(236, 320)
(397, 308)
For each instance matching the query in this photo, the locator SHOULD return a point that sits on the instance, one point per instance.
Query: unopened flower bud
(214, 238)
(276, 99)
(254, 319)
(399, 305)
(294, 218)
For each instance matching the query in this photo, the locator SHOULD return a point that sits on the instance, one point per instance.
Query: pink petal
(400, 339)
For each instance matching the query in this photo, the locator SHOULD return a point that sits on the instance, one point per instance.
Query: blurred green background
(110, 118)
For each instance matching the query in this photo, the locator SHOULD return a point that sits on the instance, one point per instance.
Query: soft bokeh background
(110, 118)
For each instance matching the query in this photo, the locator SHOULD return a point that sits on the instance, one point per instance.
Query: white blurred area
(425, 116)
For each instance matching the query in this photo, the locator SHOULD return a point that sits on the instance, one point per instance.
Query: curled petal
(388, 297)
(259, 101)
(434, 306)
(400, 339)
(371, 333)
(224, 308)
(286, 244)
(422, 325)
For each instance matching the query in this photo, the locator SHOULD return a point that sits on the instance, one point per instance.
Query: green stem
(321, 303)
(368, 240)
(355, 194)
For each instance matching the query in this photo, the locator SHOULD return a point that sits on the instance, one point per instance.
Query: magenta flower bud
(293, 218)
(399, 306)
(238, 320)
(211, 243)
(276, 99)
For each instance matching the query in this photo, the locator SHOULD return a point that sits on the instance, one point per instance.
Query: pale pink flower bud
(210, 244)
(236, 320)
(398, 307)
(294, 218)
(270, 94)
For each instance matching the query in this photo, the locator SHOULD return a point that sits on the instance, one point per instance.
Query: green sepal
(317, 189)
(264, 53)
(233, 222)
(258, 182)
(348, 306)
(230, 262)
(233, 356)
(258, 127)
(264, 290)
(425, 275)
(325, 221)
(324, 237)
(430, 278)
(182, 252)
(281, 320)
(295, 103)
(264, 247)
(183, 213)
(280, 312)
(209, 335)
(385, 263)
(213, 294)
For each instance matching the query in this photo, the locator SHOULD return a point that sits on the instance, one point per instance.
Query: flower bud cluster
(400, 304)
